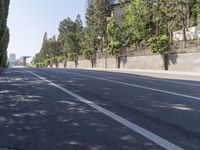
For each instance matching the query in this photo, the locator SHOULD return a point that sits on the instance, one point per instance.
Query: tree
(173, 15)
(73, 57)
(160, 45)
(80, 34)
(50, 48)
(96, 20)
(4, 45)
(182, 10)
(136, 21)
(71, 37)
(4, 32)
(165, 17)
(116, 40)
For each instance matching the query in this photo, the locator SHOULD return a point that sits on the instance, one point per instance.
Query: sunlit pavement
(35, 115)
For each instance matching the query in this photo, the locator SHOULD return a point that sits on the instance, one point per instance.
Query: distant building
(28, 61)
(118, 10)
(22, 61)
(192, 33)
(12, 59)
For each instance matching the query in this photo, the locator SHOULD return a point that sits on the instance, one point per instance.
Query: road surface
(61, 109)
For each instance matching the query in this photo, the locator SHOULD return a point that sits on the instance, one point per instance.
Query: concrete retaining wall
(152, 62)
(84, 64)
(111, 63)
(187, 62)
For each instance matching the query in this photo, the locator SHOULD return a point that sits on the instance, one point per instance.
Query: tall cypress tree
(96, 20)
(4, 32)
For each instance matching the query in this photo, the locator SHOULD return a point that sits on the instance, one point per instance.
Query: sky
(28, 20)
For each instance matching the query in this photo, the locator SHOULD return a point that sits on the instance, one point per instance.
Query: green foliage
(96, 21)
(71, 36)
(72, 56)
(88, 53)
(47, 62)
(40, 65)
(114, 31)
(114, 48)
(159, 44)
(3, 45)
(53, 60)
(50, 48)
(136, 19)
(37, 65)
(60, 59)
(142, 21)
(4, 32)
(115, 36)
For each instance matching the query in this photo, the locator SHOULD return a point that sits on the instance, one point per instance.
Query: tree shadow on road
(35, 115)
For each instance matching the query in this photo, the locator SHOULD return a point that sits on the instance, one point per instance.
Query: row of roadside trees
(4, 32)
(144, 21)
(67, 46)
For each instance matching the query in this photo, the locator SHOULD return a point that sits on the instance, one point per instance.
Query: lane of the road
(59, 109)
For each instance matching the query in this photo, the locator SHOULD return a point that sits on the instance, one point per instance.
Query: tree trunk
(165, 58)
(184, 37)
(157, 29)
(76, 63)
(65, 62)
(170, 33)
(183, 15)
(118, 62)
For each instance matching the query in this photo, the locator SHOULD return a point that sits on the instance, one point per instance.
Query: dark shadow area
(93, 62)
(124, 60)
(173, 58)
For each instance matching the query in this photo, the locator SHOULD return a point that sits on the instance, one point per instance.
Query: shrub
(159, 44)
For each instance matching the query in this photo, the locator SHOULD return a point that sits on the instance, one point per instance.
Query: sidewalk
(154, 73)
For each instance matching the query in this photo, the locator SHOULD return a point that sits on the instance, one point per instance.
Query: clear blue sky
(28, 20)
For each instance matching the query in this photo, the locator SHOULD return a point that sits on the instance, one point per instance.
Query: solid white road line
(137, 86)
(149, 135)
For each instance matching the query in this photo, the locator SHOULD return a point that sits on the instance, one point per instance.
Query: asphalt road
(68, 109)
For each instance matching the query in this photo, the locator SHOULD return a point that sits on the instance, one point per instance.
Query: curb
(145, 71)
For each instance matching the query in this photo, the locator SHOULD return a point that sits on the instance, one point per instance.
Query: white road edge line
(147, 134)
(137, 86)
